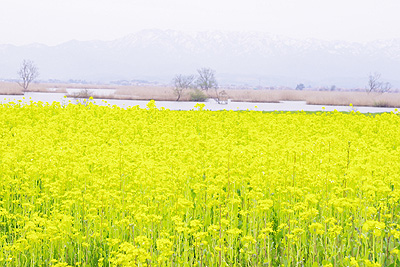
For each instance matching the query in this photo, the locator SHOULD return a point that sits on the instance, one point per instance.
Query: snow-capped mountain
(238, 58)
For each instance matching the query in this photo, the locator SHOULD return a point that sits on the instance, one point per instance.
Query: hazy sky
(56, 21)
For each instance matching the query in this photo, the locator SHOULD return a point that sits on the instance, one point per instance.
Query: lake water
(211, 104)
(98, 92)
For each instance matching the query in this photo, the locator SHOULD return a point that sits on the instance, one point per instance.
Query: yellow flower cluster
(90, 185)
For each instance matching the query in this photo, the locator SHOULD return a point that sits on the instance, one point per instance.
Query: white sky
(55, 21)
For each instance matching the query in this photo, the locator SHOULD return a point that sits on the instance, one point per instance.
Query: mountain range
(239, 58)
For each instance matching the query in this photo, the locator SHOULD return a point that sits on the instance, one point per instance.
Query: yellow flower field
(89, 185)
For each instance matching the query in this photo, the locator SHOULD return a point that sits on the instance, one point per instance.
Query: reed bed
(165, 93)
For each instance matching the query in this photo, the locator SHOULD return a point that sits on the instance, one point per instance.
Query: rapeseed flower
(103, 185)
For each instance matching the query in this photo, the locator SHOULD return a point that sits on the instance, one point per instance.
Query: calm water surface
(211, 104)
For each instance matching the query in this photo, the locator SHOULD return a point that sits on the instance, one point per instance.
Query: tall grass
(165, 93)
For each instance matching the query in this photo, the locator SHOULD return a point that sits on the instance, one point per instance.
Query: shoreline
(284, 106)
(162, 93)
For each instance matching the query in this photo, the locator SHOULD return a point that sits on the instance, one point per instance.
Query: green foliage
(381, 104)
(198, 95)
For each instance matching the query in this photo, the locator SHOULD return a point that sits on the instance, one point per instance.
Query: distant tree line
(199, 85)
(375, 85)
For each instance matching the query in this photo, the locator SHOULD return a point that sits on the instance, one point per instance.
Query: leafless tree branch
(206, 79)
(376, 85)
(181, 83)
(27, 72)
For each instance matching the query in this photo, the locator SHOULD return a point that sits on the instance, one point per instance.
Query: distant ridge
(238, 57)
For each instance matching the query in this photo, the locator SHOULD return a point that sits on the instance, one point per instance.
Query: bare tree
(376, 85)
(206, 79)
(385, 87)
(28, 72)
(373, 82)
(181, 83)
(300, 86)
